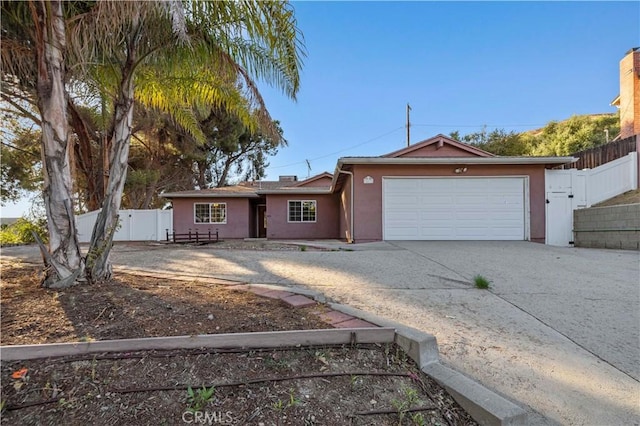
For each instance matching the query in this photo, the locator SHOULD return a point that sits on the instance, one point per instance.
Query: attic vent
(288, 178)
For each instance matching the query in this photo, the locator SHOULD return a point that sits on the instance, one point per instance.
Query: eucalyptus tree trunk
(63, 262)
(98, 262)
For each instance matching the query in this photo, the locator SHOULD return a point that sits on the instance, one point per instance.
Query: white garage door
(454, 208)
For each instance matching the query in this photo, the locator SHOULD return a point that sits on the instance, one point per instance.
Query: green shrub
(19, 232)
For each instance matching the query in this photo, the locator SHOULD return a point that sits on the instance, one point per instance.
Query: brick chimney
(628, 101)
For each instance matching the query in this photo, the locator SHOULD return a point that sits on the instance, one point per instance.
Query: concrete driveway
(559, 331)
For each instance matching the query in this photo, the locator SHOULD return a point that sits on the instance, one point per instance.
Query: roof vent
(288, 178)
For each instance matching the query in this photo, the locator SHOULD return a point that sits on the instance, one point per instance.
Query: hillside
(592, 117)
(557, 138)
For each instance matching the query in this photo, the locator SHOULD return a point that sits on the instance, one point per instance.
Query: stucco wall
(432, 150)
(327, 223)
(237, 225)
(368, 197)
(615, 227)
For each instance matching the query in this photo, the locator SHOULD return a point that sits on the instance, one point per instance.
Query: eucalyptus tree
(232, 44)
(34, 49)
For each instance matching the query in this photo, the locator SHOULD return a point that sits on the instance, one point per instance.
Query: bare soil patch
(352, 384)
(629, 197)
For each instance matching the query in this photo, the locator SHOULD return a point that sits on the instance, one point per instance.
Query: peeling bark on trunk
(63, 262)
(84, 156)
(98, 263)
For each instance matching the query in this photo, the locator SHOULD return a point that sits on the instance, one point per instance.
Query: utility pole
(408, 125)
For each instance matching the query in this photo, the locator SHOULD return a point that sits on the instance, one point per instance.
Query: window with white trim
(210, 213)
(302, 211)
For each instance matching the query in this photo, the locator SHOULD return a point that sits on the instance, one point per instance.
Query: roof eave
(178, 195)
(616, 101)
(297, 191)
(455, 160)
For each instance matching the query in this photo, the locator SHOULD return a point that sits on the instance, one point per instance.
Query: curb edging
(267, 339)
(484, 405)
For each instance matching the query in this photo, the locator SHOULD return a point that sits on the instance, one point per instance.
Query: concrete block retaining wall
(615, 227)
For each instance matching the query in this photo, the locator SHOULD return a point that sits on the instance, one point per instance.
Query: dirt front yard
(334, 385)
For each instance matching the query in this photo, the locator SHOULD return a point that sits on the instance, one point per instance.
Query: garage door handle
(547, 200)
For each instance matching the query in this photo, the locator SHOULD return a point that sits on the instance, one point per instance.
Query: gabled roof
(316, 178)
(237, 191)
(309, 186)
(267, 184)
(438, 142)
(250, 189)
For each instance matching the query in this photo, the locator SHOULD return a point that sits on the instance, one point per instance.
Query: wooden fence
(599, 155)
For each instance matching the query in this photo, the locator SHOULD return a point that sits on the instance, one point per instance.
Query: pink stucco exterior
(238, 215)
(327, 222)
(368, 197)
(351, 196)
(434, 151)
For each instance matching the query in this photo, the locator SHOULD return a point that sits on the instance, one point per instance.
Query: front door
(262, 221)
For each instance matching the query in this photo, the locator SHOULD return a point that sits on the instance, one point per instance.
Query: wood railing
(193, 237)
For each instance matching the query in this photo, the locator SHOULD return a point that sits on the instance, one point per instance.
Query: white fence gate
(135, 225)
(568, 190)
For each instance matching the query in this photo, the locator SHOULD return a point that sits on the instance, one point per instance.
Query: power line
(478, 125)
(338, 152)
(395, 130)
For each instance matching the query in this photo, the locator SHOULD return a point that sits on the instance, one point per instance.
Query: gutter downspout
(352, 240)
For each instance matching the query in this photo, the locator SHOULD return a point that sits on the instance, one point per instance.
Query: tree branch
(21, 109)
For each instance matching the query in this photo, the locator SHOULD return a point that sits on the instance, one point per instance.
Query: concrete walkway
(559, 331)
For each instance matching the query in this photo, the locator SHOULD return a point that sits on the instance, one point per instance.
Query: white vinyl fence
(568, 190)
(135, 225)
(611, 179)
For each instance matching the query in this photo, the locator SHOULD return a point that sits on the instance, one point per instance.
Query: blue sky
(461, 65)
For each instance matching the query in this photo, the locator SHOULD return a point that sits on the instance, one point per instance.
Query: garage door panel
(477, 201)
(506, 184)
(435, 215)
(504, 198)
(454, 208)
(429, 200)
(399, 217)
(404, 200)
(406, 232)
(443, 233)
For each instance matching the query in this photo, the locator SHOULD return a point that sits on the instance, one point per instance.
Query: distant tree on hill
(557, 138)
(498, 141)
(575, 134)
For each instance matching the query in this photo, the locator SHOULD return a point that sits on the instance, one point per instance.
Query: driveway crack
(565, 336)
(465, 278)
